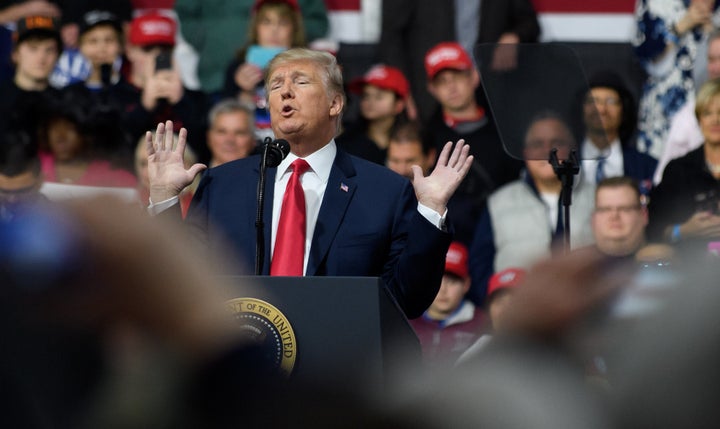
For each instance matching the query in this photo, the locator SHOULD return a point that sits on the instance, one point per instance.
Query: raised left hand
(435, 190)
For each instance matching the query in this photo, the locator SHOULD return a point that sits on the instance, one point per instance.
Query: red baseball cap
(292, 3)
(507, 278)
(456, 260)
(384, 77)
(152, 29)
(446, 55)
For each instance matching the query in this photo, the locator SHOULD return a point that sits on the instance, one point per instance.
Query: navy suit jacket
(368, 225)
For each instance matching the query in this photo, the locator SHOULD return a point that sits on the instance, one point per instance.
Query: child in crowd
(452, 323)
(500, 291)
(276, 25)
(383, 91)
(36, 48)
(101, 43)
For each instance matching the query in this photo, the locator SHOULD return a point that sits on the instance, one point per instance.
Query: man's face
(619, 220)
(454, 89)
(100, 45)
(301, 108)
(452, 291)
(36, 58)
(541, 138)
(713, 67)
(229, 138)
(603, 111)
(401, 156)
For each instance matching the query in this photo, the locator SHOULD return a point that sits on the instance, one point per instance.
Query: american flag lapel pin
(343, 187)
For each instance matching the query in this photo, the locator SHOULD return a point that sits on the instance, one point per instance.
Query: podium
(346, 329)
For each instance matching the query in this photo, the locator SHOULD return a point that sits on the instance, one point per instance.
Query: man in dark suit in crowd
(360, 219)
(411, 27)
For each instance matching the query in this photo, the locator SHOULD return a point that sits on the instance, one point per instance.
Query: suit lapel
(338, 194)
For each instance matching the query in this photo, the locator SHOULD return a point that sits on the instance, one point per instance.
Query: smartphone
(163, 61)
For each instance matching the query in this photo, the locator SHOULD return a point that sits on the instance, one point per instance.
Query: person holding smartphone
(157, 92)
(275, 26)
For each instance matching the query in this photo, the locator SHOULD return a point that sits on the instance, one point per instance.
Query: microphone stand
(272, 154)
(565, 171)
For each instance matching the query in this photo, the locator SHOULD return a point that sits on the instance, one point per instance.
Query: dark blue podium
(347, 329)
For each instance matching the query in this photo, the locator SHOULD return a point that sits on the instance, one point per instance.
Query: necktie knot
(300, 166)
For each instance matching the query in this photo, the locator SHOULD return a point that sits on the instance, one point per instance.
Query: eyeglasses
(604, 210)
(607, 102)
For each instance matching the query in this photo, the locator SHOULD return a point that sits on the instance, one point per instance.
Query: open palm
(166, 169)
(435, 190)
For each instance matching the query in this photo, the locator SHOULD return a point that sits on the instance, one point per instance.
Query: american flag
(560, 20)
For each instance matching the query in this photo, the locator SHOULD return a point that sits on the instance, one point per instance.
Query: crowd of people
(502, 265)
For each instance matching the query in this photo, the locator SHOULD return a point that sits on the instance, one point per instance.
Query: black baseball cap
(37, 26)
(98, 17)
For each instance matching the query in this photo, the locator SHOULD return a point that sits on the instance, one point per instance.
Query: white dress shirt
(314, 183)
(613, 160)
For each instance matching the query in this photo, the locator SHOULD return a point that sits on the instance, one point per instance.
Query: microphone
(274, 151)
(277, 150)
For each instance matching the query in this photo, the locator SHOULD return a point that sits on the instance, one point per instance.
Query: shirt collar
(320, 162)
(590, 151)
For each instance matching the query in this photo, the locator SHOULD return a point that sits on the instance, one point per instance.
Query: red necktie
(289, 253)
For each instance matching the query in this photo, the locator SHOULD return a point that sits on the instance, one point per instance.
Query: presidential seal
(264, 323)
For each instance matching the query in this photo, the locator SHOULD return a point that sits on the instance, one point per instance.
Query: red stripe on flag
(336, 5)
(584, 6)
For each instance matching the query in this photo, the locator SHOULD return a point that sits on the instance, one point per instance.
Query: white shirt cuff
(432, 216)
(157, 208)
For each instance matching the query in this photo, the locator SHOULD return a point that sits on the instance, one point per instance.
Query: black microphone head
(277, 150)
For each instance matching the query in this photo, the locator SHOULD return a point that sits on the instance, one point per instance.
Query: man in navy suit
(362, 219)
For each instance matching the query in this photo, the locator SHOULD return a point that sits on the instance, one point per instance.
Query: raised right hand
(166, 171)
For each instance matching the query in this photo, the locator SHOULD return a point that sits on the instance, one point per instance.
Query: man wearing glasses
(609, 116)
(619, 220)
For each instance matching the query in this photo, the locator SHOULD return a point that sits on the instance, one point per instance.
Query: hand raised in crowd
(435, 190)
(699, 12)
(166, 169)
(248, 76)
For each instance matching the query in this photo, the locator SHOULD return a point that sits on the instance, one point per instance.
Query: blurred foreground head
(93, 293)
